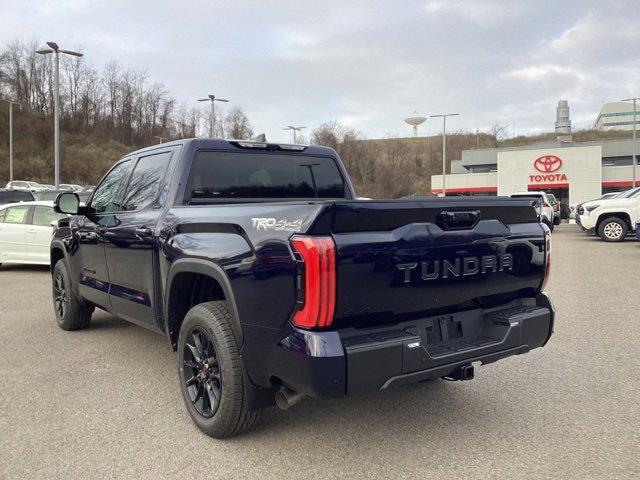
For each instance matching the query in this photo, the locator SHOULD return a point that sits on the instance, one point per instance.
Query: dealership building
(573, 172)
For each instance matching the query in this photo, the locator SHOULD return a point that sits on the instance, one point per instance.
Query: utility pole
(11, 104)
(635, 150)
(293, 130)
(444, 148)
(53, 48)
(213, 99)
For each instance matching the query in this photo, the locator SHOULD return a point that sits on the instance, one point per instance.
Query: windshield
(629, 193)
(231, 175)
(15, 196)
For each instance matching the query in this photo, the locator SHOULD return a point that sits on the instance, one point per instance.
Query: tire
(210, 374)
(613, 229)
(556, 221)
(70, 313)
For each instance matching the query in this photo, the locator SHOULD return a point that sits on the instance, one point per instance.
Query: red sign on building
(548, 165)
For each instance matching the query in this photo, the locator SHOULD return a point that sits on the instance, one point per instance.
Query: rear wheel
(210, 372)
(70, 314)
(613, 229)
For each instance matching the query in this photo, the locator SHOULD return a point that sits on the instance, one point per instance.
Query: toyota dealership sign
(548, 167)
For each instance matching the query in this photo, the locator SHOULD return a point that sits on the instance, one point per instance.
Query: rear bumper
(335, 364)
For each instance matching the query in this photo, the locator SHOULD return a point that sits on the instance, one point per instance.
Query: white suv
(611, 219)
(545, 208)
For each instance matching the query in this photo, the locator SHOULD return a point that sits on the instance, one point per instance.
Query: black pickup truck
(274, 283)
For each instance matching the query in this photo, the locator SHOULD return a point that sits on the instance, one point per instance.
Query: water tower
(415, 120)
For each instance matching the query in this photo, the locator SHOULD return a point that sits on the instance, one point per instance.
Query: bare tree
(237, 125)
(498, 132)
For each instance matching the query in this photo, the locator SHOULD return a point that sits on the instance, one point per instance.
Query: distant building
(563, 122)
(573, 172)
(615, 116)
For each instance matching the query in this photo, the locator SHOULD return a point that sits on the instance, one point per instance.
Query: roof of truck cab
(226, 144)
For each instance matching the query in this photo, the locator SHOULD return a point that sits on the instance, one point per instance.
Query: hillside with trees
(108, 112)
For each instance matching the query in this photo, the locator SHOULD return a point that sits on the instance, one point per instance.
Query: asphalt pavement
(105, 402)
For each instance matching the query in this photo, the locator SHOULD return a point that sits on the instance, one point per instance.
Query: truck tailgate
(399, 260)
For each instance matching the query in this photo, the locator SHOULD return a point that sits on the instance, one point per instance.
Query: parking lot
(105, 402)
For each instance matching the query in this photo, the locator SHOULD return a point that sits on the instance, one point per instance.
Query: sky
(367, 64)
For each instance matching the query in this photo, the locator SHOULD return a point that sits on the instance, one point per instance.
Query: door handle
(142, 231)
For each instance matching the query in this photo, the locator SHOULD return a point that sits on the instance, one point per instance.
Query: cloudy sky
(368, 64)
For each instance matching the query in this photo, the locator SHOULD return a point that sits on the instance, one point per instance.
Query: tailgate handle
(463, 220)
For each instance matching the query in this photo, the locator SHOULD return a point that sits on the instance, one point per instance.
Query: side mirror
(67, 202)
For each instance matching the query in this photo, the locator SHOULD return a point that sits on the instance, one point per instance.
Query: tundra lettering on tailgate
(458, 267)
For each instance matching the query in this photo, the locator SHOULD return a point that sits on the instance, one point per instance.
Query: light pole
(293, 130)
(53, 48)
(633, 156)
(213, 99)
(11, 104)
(444, 148)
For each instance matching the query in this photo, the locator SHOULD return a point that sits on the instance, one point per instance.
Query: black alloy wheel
(59, 295)
(71, 314)
(201, 372)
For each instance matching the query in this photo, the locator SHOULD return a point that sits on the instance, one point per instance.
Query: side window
(145, 181)
(43, 216)
(2, 213)
(105, 196)
(16, 214)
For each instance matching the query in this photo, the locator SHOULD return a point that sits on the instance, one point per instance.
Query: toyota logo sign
(547, 164)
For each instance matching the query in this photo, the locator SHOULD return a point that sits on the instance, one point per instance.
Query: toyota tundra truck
(274, 284)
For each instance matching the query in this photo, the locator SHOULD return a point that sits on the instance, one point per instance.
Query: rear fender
(210, 269)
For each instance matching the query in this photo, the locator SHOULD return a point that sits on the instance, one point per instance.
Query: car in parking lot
(611, 219)
(25, 186)
(70, 187)
(573, 209)
(25, 232)
(555, 204)
(14, 196)
(546, 213)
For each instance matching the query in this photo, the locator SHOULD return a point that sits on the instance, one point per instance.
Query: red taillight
(547, 256)
(317, 283)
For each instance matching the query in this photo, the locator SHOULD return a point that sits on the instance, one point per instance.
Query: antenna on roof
(260, 138)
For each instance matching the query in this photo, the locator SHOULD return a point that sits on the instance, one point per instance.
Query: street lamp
(11, 104)
(53, 48)
(293, 130)
(444, 148)
(633, 156)
(213, 99)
